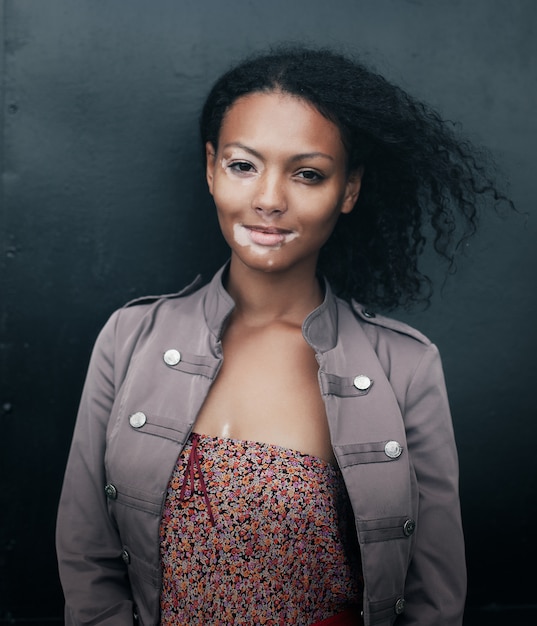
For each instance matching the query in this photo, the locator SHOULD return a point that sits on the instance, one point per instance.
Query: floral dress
(253, 533)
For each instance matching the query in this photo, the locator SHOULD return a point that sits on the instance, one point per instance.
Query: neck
(263, 297)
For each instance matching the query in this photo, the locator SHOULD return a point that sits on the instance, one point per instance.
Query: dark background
(103, 199)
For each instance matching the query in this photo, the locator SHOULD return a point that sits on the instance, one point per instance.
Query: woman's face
(279, 181)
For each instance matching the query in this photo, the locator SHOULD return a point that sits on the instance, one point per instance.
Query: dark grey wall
(103, 198)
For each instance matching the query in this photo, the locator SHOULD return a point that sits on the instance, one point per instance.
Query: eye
(310, 176)
(241, 167)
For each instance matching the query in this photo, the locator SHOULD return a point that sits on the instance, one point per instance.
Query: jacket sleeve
(92, 573)
(435, 589)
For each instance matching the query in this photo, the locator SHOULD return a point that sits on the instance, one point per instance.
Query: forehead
(279, 119)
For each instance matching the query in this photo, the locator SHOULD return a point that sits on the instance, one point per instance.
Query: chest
(268, 390)
(161, 400)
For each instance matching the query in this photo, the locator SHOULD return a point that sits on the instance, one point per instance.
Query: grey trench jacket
(390, 426)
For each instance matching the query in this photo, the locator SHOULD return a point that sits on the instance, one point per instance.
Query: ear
(210, 159)
(352, 190)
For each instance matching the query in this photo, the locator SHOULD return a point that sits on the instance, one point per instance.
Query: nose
(270, 199)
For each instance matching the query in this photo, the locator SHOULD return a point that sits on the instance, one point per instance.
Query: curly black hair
(421, 179)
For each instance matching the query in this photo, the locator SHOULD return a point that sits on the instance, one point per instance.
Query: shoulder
(374, 324)
(136, 316)
(407, 356)
(139, 322)
(148, 300)
(153, 305)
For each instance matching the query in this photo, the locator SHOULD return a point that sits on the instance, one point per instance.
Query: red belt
(350, 617)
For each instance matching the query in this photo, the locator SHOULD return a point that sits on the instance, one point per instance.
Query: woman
(260, 450)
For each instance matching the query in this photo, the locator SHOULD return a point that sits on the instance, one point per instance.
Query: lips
(267, 235)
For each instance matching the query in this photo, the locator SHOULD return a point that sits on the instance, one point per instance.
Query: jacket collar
(319, 327)
(218, 304)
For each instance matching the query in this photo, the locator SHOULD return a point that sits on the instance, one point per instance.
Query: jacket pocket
(385, 529)
(192, 363)
(345, 387)
(137, 499)
(145, 422)
(145, 584)
(370, 452)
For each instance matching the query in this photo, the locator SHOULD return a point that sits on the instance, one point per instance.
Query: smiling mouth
(268, 235)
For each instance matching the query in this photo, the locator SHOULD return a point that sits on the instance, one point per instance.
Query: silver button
(409, 527)
(368, 313)
(110, 491)
(137, 420)
(399, 606)
(172, 357)
(126, 557)
(362, 382)
(393, 449)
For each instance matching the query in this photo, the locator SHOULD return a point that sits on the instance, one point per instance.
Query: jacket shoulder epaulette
(190, 288)
(370, 317)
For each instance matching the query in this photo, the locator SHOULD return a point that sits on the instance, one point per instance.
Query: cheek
(226, 200)
(231, 196)
(322, 212)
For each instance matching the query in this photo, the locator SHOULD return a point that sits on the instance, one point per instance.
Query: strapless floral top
(253, 533)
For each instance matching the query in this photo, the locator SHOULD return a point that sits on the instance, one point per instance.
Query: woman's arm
(93, 576)
(435, 588)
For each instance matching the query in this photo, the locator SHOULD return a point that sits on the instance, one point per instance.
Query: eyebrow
(296, 157)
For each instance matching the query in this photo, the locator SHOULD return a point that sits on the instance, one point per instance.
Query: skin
(279, 180)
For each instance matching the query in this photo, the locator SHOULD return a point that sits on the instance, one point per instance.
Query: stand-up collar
(218, 304)
(319, 327)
